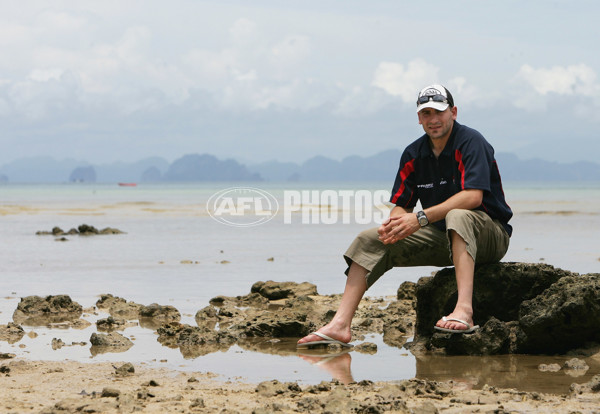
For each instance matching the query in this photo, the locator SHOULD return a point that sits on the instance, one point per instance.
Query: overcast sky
(259, 80)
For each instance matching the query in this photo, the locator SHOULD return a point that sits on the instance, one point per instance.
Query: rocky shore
(71, 387)
(521, 308)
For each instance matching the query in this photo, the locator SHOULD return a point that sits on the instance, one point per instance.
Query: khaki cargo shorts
(486, 239)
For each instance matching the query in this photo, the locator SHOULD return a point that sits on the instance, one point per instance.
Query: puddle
(262, 359)
(520, 372)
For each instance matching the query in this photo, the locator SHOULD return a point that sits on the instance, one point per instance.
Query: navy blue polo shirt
(467, 162)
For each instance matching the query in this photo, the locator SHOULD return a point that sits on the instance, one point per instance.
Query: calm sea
(175, 253)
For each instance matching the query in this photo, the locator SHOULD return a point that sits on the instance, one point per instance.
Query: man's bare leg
(339, 327)
(464, 267)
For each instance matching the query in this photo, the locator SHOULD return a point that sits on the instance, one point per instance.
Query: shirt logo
(429, 186)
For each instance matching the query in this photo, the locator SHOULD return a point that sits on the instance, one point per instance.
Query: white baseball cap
(436, 97)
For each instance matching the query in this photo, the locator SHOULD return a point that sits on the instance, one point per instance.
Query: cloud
(361, 101)
(211, 69)
(291, 50)
(567, 85)
(11, 33)
(124, 68)
(45, 94)
(133, 46)
(60, 21)
(405, 82)
(42, 75)
(243, 31)
(563, 80)
(123, 72)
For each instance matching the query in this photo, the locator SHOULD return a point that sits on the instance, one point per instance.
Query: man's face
(437, 124)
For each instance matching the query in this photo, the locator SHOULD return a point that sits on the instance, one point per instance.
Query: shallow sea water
(172, 254)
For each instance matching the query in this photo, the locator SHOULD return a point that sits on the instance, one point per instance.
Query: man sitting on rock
(451, 170)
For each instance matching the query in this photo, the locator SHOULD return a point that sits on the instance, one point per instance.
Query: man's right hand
(386, 227)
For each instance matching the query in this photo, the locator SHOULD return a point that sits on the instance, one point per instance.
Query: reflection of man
(451, 170)
(338, 365)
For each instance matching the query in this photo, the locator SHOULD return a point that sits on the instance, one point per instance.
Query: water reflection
(337, 365)
(505, 371)
(520, 372)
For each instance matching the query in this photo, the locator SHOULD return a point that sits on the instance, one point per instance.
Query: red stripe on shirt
(407, 170)
(461, 168)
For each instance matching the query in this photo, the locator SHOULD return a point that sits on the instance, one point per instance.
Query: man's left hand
(398, 228)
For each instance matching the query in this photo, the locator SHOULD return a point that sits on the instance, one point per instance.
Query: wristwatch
(423, 220)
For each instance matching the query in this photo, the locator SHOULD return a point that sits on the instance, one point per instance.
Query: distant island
(208, 168)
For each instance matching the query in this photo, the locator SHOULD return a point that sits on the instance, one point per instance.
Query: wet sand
(73, 387)
(506, 383)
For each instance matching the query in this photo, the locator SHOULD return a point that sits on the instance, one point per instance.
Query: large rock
(521, 308)
(111, 342)
(119, 307)
(193, 341)
(272, 309)
(283, 290)
(11, 333)
(564, 316)
(154, 315)
(38, 311)
(499, 289)
(112, 339)
(207, 317)
(113, 324)
(282, 324)
(253, 315)
(86, 230)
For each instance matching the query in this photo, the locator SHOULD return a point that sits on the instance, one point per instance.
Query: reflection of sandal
(327, 340)
(468, 330)
(323, 358)
(321, 353)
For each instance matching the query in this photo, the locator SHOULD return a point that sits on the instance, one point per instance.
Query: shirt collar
(426, 151)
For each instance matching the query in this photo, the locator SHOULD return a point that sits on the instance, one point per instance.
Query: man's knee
(365, 244)
(458, 217)
(368, 236)
(486, 241)
(467, 221)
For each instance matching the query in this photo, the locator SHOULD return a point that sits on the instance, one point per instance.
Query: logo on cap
(432, 91)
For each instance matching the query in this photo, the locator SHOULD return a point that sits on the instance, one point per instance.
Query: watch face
(423, 221)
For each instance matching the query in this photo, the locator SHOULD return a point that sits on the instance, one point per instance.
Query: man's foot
(455, 325)
(468, 328)
(344, 337)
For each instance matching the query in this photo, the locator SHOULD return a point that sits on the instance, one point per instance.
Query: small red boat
(127, 184)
